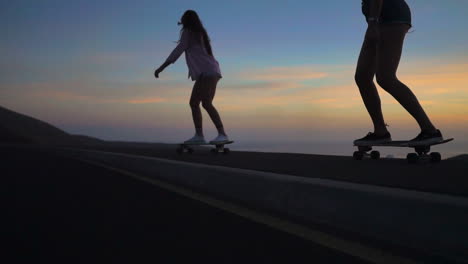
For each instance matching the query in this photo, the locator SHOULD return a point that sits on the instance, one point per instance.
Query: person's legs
(365, 71)
(207, 96)
(195, 100)
(388, 58)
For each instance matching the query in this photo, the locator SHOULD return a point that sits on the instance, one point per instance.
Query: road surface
(63, 210)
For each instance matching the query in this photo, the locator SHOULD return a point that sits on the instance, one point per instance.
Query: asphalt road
(61, 210)
(447, 177)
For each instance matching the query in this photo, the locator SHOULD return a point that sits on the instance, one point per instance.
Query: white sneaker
(195, 140)
(219, 139)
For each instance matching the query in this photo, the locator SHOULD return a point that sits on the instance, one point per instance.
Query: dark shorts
(393, 11)
(209, 74)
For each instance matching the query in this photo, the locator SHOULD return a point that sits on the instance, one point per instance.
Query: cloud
(105, 92)
(439, 88)
(308, 97)
(147, 100)
(281, 85)
(76, 97)
(69, 96)
(294, 73)
(262, 85)
(325, 100)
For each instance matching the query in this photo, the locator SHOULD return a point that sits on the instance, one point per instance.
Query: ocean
(448, 150)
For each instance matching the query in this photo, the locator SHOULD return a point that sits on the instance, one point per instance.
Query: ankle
(381, 132)
(221, 131)
(199, 132)
(431, 130)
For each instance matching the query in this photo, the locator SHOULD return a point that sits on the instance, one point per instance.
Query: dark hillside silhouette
(8, 136)
(19, 128)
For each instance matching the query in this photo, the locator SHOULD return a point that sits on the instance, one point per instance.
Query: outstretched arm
(175, 54)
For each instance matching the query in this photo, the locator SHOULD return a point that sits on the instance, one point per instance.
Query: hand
(160, 69)
(156, 73)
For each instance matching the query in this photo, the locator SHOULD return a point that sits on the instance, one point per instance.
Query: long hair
(192, 22)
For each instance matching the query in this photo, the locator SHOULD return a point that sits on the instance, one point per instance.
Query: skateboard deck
(422, 151)
(219, 147)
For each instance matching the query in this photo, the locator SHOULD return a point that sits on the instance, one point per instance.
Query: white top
(197, 58)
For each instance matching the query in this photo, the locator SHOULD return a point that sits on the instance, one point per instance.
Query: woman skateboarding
(203, 69)
(388, 22)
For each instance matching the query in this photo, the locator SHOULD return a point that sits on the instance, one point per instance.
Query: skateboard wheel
(214, 151)
(412, 158)
(364, 148)
(435, 157)
(226, 151)
(358, 155)
(179, 150)
(190, 150)
(375, 155)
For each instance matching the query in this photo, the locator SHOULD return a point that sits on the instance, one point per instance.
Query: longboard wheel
(435, 157)
(412, 158)
(226, 150)
(375, 155)
(214, 151)
(358, 155)
(190, 150)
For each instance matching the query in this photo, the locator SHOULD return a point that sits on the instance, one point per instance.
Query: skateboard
(219, 148)
(423, 152)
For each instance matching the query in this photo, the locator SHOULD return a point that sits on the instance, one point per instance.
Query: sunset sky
(87, 67)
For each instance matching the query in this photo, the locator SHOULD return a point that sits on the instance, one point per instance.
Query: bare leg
(365, 71)
(388, 58)
(204, 91)
(207, 96)
(195, 100)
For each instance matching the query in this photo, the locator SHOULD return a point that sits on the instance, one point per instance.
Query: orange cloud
(296, 73)
(325, 100)
(264, 86)
(147, 100)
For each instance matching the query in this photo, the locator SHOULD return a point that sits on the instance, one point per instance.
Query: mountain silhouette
(19, 128)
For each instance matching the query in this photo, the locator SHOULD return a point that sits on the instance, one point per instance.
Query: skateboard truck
(422, 152)
(184, 148)
(218, 148)
(362, 152)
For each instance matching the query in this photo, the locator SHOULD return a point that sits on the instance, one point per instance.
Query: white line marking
(348, 247)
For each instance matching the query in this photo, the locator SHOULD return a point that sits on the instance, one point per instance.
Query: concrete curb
(433, 223)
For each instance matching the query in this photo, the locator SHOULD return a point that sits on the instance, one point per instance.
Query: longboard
(422, 151)
(219, 147)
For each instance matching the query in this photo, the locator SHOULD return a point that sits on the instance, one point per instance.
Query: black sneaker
(372, 138)
(425, 138)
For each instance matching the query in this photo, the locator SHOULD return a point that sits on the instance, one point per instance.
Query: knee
(207, 104)
(387, 81)
(362, 79)
(194, 103)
